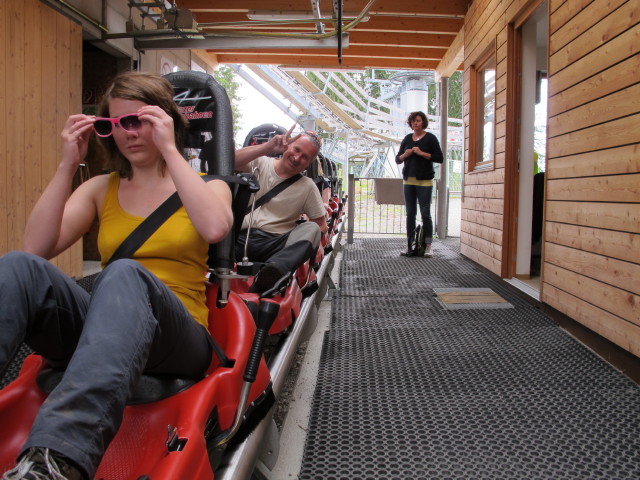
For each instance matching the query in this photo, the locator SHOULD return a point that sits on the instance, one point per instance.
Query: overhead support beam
(402, 40)
(337, 111)
(453, 58)
(266, 93)
(311, 62)
(334, 108)
(236, 43)
(271, 79)
(380, 136)
(268, 75)
(421, 53)
(449, 8)
(236, 20)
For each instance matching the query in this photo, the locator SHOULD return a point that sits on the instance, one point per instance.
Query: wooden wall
(592, 228)
(483, 205)
(591, 252)
(40, 85)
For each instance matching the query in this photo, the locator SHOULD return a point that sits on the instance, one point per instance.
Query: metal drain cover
(468, 298)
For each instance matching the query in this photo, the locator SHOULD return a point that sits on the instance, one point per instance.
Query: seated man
(275, 236)
(323, 184)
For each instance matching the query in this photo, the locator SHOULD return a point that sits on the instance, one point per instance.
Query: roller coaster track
(263, 443)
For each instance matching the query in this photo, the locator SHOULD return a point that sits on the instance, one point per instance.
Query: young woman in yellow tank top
(147, 313)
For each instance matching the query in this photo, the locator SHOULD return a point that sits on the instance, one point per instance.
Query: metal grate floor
(409, 390)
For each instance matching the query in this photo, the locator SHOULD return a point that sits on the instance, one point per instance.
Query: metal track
(241, 462)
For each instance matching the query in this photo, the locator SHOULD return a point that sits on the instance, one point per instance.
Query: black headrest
(263, 133)
(204, 102)
(333, 170)
(206, 105)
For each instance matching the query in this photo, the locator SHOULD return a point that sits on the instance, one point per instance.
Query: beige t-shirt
(279, 215)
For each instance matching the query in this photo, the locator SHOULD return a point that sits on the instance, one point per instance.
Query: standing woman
(147, 313)
(418, 151)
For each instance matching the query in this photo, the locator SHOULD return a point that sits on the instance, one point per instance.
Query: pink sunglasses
(130, 123)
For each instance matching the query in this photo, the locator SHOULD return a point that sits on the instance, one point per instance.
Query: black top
(416, 166)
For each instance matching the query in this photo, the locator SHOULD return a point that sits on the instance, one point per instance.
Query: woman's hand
(417, 151)
(75, 139)
(162, 127)
(57, 220)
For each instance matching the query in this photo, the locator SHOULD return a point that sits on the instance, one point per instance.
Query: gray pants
(421, 195)
(289, 251)
(130, 323)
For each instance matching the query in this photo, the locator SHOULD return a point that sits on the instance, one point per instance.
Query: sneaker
(267, 277)
(408, 253)
(428, 252)
(42, 464)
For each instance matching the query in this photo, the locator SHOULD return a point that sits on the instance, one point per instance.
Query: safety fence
(374, 211)
(370, 216)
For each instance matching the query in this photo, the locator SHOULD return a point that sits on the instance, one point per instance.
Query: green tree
(372, 78)
(455, 95)
(226, 77)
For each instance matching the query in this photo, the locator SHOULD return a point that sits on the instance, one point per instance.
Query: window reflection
(488, 96)
(482, 115)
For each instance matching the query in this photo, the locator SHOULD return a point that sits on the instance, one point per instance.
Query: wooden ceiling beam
(352, 51)
(453, 59)
(424, 7)
(375, 23)
(398, 34)
(400, 40)
(308, 62)
(410, 7)
(411, 24)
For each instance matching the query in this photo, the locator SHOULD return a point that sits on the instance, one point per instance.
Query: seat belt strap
(274, 191)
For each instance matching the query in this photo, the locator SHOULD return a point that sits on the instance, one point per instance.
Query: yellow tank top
(175, 253)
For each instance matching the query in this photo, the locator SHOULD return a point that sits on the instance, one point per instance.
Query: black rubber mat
(409, 390)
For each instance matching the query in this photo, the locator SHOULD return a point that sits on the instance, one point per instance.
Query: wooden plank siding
(40, 86)
(14, 182)
(483, 207)
(592, 231)
(591, 252)
(4, 61)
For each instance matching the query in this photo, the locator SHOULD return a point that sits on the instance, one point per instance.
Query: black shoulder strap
(275, 191)
(149, 225)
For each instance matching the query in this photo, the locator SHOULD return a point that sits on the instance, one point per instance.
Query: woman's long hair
(148, 88)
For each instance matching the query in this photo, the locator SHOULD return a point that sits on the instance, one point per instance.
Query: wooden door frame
(512, 142)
